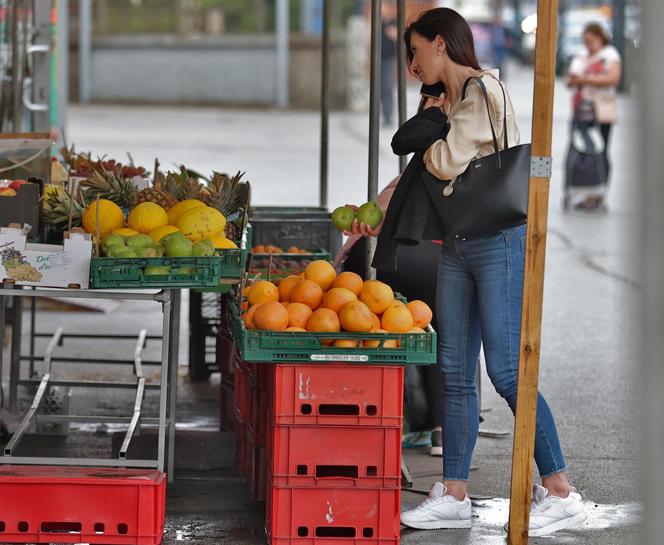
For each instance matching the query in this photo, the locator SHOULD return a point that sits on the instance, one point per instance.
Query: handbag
(491, 194)
(606, 108)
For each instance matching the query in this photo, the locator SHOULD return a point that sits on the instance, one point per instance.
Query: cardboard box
(46, 265)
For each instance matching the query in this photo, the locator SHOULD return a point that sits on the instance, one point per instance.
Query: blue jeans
(478, 298)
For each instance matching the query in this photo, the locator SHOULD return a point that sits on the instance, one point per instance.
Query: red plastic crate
(260, 413)
(334, 516)
(338, 394)
(226, 407)
(336, 456)
(257, 474)
(242, 394)
(241, 449)
(226, 354)
(81, 505)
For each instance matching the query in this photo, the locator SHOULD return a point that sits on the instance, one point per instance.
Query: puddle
(490, 516)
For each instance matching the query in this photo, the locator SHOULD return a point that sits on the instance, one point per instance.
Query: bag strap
(486, 102)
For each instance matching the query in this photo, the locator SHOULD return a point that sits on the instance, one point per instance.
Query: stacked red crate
(45, 504)
(334, 454)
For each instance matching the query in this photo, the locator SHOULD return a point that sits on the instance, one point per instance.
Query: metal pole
(401, 72)
(374, 121)
(15, 354)
(325, 106)
(165, 362)
(174, 356)
(16, 72)
(62, 48)
(282, 53)
(84, 51)
(619, 34)
(652, 271)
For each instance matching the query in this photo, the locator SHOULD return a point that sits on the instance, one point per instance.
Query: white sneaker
(438, 511)
(549, 514)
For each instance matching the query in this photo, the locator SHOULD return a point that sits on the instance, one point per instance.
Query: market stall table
(170, 302)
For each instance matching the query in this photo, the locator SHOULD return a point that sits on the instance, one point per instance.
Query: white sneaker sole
(436, 451)
(438, 524)
(564, 524)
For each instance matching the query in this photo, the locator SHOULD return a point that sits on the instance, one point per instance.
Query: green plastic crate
(293, 347)
(290, 263)
(112, 272)
(212, 273)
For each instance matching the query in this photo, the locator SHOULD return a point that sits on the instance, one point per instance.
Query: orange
(421, 312)
(260, 249)
(249, 317)
(396, 303)
(356, 316)
(262, 292)
(377, 295)
(321, 272)
(286, 286)
(307, 292)
(336, 298)
(397, 319)
(349, 280)
(346, 343)
(298, 314)
(416, 330)
(271, 317)
(376, 321)
(296, 329)
(324, 320)
(389, 343)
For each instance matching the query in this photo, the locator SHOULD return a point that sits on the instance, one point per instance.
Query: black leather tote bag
(491, 194)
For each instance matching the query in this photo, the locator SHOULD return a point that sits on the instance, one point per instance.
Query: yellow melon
(146, 217)
(201, 223)
(175, 211)
(110, 217)
(160, 232)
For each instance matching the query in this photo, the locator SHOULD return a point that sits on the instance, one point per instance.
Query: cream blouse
(469, 136)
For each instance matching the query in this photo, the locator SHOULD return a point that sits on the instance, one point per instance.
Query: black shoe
(436, 443)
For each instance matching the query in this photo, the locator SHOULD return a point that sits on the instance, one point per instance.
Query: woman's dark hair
(597, 30)
(452, 28)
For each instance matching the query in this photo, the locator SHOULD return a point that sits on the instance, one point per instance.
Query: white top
(598, 63)
(469, 136)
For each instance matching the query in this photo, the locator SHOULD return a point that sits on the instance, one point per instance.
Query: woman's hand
(358, 228)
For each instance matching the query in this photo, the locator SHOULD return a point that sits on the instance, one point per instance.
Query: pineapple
(111, 186)
(183, 185)
(57, 203)
(231, 197)
(156, 195)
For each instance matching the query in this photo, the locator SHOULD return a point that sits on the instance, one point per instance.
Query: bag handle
(486, 102)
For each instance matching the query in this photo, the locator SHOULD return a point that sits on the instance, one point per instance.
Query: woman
(479, 288)
(596, 74)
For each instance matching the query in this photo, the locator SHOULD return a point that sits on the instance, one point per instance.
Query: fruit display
(320, 301)
(369, 214)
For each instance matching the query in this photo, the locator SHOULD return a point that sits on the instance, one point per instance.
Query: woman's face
(426, 60)
(593, 42)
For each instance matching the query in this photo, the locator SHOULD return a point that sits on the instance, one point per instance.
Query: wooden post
(533, 284)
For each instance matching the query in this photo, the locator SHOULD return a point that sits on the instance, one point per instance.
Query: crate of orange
(275, 263)
(318, 316)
